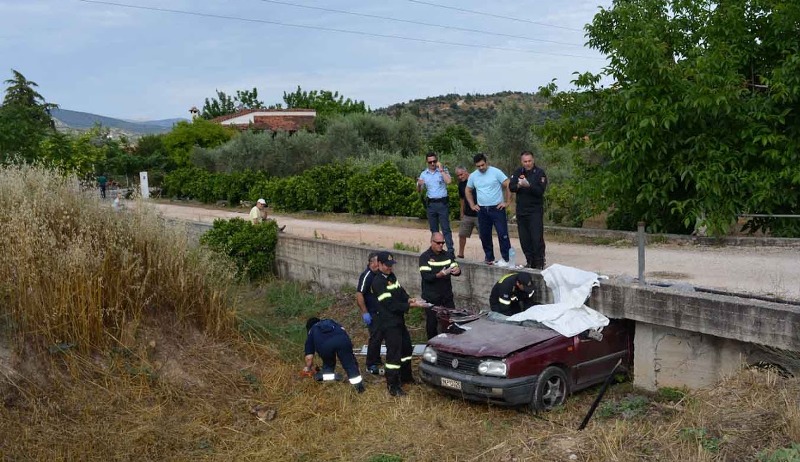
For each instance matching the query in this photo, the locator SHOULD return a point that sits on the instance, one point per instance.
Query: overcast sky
(150, 63)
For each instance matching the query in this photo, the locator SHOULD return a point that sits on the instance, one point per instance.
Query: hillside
(76, 121)
(473, 111)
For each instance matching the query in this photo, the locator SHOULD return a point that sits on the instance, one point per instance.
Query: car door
(596, 359)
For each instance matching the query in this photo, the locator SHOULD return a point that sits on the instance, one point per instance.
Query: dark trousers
(439, 217)
(431, 321)
(339, 346)
(489, 217)
(374, 343)
(398, 355)
(531, 238)
(103, 191)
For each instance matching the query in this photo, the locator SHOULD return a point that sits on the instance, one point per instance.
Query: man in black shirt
(394, 303)
(530, 183)
(368, 306)
(512, 294)
(435, 267)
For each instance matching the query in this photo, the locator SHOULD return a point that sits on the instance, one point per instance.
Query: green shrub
(790, 454)
(564, 206)
(251, 247)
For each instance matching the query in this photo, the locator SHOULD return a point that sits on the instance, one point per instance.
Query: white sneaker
(501, 263)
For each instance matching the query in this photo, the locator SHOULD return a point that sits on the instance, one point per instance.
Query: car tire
(551, 389)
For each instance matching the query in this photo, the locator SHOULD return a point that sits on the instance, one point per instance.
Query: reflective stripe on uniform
(328, 376)
(384, 296)
(425, 268)
(406, 359)
(504, 301)
(355, 380)
(507, 276)
(440, 263)
(396, 285)
(392, 366)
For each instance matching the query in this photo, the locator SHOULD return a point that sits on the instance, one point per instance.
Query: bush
(564, 206)
(251, 247)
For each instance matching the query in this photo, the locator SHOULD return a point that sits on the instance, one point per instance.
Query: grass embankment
(160, 380)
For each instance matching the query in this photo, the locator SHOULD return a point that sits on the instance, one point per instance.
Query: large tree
(326, 103)
(224, 104)
(702, 120)
(24, 119)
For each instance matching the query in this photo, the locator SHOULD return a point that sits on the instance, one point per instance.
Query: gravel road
(767, 271)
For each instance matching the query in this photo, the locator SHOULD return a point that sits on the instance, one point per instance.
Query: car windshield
(503, 319)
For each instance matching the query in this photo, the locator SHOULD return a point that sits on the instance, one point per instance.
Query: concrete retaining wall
(682, 338)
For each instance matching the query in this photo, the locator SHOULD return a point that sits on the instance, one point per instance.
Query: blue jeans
(488, 217)
(439, 215)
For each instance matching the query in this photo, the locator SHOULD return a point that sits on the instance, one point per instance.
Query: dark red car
(512, 364)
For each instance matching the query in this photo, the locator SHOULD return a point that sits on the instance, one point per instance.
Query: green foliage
(224, 104)
(626, 408)
(406, 247)
(201, 185)
(509, 134)
(450, 138)
(325, 102)
(281, 320)
(386, 458)
(251, 247)
(25, 120)
(706, 440)
(700, 124)
(790, 454)
(383, 191)
(564, 206)
(185, 136)
(671, 395)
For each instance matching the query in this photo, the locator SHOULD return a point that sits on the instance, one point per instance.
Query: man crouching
(328, 338)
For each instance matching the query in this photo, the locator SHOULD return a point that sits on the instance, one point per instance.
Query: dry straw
(73, 272)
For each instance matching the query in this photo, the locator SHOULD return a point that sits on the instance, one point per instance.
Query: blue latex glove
(367, 318)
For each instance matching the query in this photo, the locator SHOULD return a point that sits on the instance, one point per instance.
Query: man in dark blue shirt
(368, 304)
(329, 340)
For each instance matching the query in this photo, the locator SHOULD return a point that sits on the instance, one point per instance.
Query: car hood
(493, 339)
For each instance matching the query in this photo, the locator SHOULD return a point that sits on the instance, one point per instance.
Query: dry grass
(75, 274)
(175, 390)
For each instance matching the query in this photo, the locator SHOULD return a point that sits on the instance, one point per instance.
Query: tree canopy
(701, 122)
(24, 119)
(224, 104)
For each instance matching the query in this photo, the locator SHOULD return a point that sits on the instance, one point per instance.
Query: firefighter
(394, 303)
(436, 267)
(328, 339)
(512, 294)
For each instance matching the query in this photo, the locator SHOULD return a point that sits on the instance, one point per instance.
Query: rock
(263, 412)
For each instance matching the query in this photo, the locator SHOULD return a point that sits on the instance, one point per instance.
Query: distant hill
(79, 121)
(476, 112)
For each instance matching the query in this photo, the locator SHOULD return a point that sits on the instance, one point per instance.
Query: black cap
(524, 279)
(386, 258)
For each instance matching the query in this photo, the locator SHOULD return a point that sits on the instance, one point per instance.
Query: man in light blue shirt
(435, 180)
(490, 185)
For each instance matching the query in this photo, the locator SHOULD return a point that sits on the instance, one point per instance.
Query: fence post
(641, 251)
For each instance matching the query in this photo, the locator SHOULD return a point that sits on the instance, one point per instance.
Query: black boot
(393, 383)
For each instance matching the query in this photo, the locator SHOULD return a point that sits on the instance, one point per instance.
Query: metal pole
(641, 252)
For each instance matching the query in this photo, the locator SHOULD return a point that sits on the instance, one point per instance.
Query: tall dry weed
(73, 271)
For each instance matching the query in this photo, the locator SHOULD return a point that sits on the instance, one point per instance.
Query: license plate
(454, 384)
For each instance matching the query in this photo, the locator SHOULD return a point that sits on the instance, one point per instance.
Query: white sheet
(568, 315)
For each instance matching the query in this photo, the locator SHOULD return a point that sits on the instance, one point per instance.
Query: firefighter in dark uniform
(328, 339)
(368, 305)
(394, 303)
(436, 267)
(530, 183)
(512, 294)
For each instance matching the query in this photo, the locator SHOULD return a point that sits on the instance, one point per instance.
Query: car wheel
(551, 389)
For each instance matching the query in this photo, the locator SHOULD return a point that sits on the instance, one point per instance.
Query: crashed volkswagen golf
(514, 363)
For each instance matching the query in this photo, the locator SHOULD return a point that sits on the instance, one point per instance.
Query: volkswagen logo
(454, 363)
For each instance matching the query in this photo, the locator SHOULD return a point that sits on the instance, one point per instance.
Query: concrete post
(641, 251)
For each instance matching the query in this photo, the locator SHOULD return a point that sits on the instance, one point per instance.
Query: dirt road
(762, 270)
